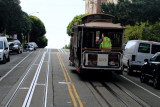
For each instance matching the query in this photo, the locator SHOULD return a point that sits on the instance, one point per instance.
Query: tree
(135, 32)
(24, 27)
(152, 32)
(129, 12)
(76, 19)
(37, 28)
(42, 42)
(3, 19)
(11, 11)
(66, 46)
(37, 32)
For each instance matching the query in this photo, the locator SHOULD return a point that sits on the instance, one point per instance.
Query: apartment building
(94, 6)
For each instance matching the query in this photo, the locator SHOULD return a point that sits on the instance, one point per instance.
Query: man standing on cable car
(106, 44)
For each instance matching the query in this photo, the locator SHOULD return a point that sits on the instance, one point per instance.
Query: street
(43, 78)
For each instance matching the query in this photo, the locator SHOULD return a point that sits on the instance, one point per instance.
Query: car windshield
(1, 45)
(156, 57)
(11, 44)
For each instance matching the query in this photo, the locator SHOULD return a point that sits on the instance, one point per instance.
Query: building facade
(94, 6)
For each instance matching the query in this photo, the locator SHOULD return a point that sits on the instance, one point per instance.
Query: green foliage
(141, 18)
(13, 20)
(14, 15)
(143, 31)
(25, 23)
(10, 11)
(152, 33)
(37, 27)
(3, 16)
(42, 42)
(135, 32)
(66, 47)
(37, 32)
(76, 19)
(129, 12)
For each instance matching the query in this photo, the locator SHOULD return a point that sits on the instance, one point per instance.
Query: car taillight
(133, 57)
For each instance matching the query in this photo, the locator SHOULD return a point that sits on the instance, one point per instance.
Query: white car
(34, 45)
(4, 50)
(28, 47)
(136, 51)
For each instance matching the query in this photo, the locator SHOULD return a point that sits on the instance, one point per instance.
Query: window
(155, 48)
(1, 45)
(88, 39)
(116, 38)
(144, 48)
(156, 58)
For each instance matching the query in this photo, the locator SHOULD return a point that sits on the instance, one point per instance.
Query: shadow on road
(91, 75)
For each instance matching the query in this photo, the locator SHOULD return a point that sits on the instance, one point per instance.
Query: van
(4, 50)
(136, 51)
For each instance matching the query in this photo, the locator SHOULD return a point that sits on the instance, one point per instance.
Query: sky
(56, 15)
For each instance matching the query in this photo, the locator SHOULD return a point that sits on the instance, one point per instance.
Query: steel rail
(21, 82)
(115, 94)
(47, 78)
(131, 96)
(99, 93)
(29, 96)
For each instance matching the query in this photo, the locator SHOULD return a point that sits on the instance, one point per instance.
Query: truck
(85, 51)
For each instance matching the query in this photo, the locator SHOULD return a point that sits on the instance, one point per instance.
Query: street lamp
(33, 13)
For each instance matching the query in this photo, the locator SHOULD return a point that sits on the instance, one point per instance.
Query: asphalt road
(43, 78)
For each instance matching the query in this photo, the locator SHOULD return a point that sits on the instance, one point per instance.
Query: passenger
(106, 43)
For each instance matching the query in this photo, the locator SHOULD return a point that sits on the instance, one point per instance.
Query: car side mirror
(145, 60)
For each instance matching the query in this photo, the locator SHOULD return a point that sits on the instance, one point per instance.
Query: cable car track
(28, 98)
(124, 97)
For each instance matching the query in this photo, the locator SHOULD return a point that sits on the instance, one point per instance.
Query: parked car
(151, 70)
(15, 46)
(4, 50)
(28, 47)
(136, 51)
(35, 46)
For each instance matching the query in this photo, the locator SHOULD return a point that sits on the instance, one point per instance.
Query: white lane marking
(29, 96)
(18, 87)
(60, 50)
(141, 87)
(14, 67)
(65, 82)
(40, 84)
(64, 51)
(24, 88)
(47, 76)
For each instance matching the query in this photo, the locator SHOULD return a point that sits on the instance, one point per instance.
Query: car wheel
(156, 82)
(18, 52)
(143, 78)
(4, 59)
(8, 59)
(21, 51)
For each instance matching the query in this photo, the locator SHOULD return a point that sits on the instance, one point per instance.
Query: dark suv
(15, 46)
(151, 70)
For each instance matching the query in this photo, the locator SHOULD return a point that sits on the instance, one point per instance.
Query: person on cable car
(106, 44)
